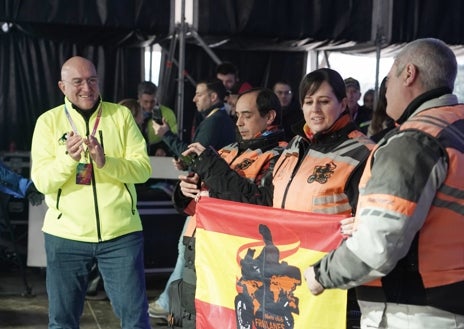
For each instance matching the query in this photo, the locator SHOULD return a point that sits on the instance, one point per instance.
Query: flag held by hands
(250, 262)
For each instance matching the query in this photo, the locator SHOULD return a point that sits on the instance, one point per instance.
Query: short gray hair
(434, 60)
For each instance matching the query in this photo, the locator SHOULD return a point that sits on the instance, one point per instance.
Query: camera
(156, 115)
(187, 160)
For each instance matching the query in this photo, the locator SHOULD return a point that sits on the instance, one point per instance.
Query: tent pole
(181, 69)
(378, 46)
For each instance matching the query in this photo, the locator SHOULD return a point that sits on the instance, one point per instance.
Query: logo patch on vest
(322, 173)
(245, 164)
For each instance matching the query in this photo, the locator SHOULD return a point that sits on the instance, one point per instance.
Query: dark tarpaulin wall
(415, 19)
(43, 35)
(286, 24)
(53, 18)
(29, 81)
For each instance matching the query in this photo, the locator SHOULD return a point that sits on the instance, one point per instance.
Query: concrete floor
(22, 308)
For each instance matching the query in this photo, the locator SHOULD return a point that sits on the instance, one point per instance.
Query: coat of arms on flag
(250, 261)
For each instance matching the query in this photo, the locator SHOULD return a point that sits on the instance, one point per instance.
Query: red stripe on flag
(227, 316)
(323, 229)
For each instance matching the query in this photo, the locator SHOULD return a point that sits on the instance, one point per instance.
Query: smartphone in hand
(156, 115)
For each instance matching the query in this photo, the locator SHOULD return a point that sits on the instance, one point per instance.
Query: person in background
(232, 97)
(215, 130)
(152, 110)
(368, 99)
(253, 157)
(133, 105)
(381, 123)
(292, 115)
(86, 156)
(361, 115)
(228, 74)
(406, 255)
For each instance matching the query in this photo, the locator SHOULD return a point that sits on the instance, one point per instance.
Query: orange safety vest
(317, 182)
(434, 266)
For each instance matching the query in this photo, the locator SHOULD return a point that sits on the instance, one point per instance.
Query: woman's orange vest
(317, 182)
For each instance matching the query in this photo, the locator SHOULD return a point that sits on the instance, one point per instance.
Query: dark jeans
(120, 262)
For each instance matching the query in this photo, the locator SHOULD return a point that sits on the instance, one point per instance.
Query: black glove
(34, 196)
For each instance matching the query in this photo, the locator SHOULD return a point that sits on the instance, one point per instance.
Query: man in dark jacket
(215, 130)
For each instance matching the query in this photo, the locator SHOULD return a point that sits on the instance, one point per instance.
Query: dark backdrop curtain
(288, 24)
(30, 70)
(418, 19)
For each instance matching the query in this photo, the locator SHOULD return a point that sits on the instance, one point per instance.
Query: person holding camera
(153, 111)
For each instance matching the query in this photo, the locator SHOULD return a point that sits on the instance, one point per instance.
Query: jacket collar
(432, 98)
(268, 139)
(205, 113)
(85, 113)
(340, 128)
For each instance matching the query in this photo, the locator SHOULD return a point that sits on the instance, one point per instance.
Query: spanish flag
(250, 262)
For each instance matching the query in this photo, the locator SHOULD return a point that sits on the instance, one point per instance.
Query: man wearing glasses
(87, 155)
(291, 111)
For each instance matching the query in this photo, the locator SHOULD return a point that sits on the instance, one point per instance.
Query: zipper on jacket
(95, 202)
(132, 199)
(58, 202)
(301, 155)
(93, 183)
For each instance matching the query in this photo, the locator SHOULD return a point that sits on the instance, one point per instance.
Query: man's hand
(74, 147)
(189, 185)
(194, 148)
(95, 151)
(160, 130)
(347, 226)
(315, 287)
(178, 164)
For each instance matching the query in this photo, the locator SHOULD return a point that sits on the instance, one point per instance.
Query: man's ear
(410, 74)
(61, 85)
(271, 116)
(214, 97)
